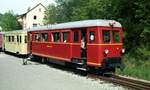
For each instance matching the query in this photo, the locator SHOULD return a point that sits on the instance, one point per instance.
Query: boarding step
(79, 61)
(82, 69)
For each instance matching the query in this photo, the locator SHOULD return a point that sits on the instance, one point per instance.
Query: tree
(51, 14)
(9, 22)
(134, 15)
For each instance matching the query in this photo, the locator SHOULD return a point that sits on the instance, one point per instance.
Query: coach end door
(29, 42)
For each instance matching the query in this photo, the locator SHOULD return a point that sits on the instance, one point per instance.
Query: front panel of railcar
(104, 47)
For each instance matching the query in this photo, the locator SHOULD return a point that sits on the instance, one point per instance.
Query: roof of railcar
(78, 24)
(16, 31)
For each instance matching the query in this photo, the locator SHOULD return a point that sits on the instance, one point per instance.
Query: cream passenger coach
(15, 42)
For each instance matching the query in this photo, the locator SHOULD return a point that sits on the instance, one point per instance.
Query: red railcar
(88, 43)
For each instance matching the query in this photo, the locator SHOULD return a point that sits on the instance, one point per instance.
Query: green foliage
(51, 14)
(9, 22)
(134, 15)
(145, 35)
(1, 16)
(143, 11)
(136, 68)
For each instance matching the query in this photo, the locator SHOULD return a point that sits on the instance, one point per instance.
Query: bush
(136, 67)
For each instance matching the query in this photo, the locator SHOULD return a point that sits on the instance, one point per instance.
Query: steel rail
(132, 83)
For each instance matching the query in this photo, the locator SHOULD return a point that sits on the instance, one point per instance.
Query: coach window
(106, 36)
(9, 39)
(65, 36)
(116, 36)
(92, 37)
(76, 37)
(20, 39)
(17, 38)
(44, 37)
(55, 37)
(25, 39)
(12, 38)
(36, 37)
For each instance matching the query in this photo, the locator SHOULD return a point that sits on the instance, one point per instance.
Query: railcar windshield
(111, 36)
(106, 36)
(116, 36)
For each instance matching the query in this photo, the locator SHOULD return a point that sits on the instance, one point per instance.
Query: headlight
(123, 50)
(106, 51)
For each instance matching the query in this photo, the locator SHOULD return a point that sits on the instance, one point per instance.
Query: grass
(137, 68)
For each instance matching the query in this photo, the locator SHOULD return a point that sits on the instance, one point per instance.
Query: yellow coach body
(15, 42)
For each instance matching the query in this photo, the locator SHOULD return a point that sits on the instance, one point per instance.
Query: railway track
(134, 84)
(131, 83)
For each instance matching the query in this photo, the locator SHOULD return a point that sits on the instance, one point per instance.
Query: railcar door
(79, 48)
(83, 43)
(29, 43)
(75, 43)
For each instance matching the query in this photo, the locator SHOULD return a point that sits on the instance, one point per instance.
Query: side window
(92, 37)
(12, 38)
(36, 37)
(9, 39)
(17, 38)
(65, 37)
(44, 37)
(116, 36)
(20, 39)
(106, 36)
(25, 39)
(55, 37)
(76, 37)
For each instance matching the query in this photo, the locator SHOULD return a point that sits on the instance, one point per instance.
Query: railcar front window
(44, 37)
(116, 37)
(106, 36)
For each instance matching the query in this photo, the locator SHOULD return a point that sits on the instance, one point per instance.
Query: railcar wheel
(43, 60)
(113, 70)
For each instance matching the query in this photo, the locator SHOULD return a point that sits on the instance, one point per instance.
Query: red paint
(66, 51)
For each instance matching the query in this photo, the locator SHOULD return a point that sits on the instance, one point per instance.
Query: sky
(21, 6)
